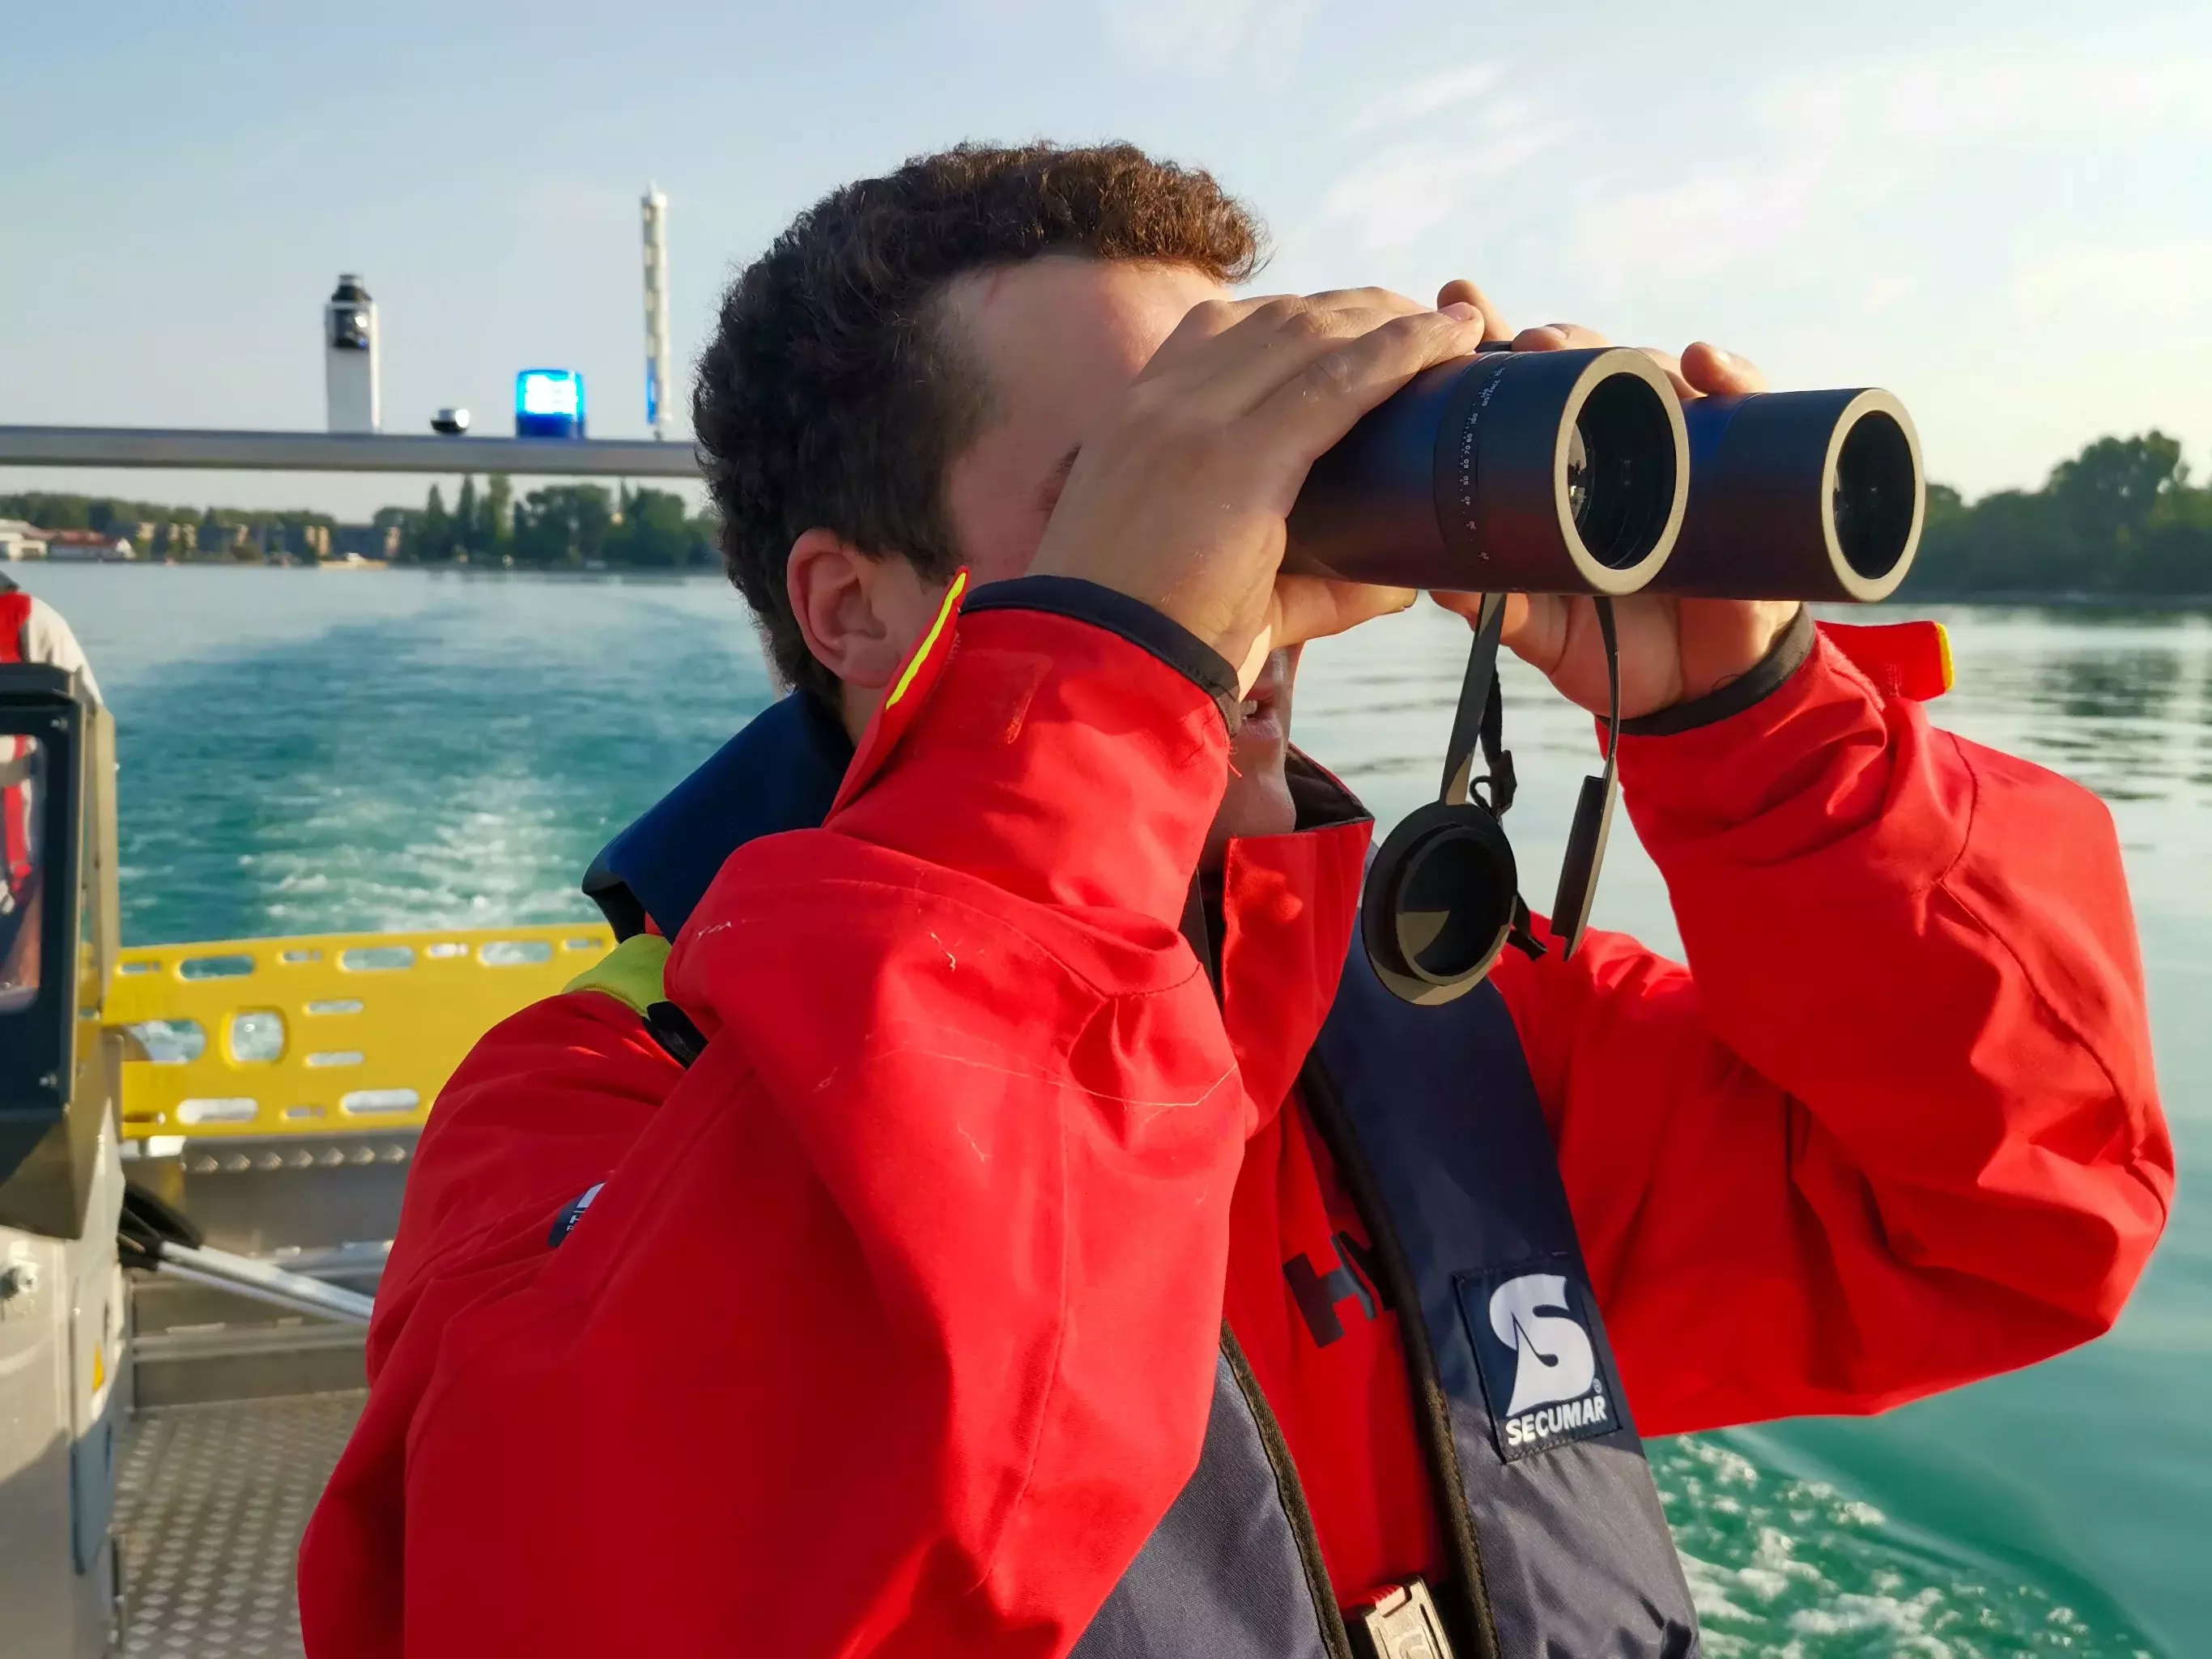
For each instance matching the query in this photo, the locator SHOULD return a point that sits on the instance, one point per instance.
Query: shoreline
(2005, 599)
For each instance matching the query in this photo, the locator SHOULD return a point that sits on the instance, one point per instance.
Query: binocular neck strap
(1479, 719)
(1578, 871)
(1479, 724)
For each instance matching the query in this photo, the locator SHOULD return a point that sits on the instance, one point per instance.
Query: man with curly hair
(987, 1205)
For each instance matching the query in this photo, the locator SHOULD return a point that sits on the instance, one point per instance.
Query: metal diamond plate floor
(213, 1500)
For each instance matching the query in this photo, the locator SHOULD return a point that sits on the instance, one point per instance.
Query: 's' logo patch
(1543, 1374)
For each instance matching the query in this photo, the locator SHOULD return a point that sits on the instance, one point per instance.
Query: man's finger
(1313, 607)
(1719, 374)
(1224, 376)
(1459, 291)
(1211, 318)
(1559, 337)
(1319, 404)
(1518, 612)
(1202, 322)
(1537, 626)
(1671, 366)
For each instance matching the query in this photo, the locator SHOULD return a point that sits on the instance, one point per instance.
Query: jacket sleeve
(894, 1331)
(1895, 1128)
(547, 1102)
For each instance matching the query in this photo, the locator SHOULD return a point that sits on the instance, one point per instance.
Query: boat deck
(211, 1500)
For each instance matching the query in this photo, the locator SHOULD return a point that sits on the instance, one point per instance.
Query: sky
(2002, 212)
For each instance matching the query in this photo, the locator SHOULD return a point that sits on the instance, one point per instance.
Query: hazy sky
(2003, 212)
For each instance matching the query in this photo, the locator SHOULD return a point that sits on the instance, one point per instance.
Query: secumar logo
(1543, 1371)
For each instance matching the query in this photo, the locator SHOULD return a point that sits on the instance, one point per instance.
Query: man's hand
(1179, 497)
(1671, 649)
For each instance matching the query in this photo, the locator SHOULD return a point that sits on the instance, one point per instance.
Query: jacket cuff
(1755, 684)
(1133, 620)
(1825, 732)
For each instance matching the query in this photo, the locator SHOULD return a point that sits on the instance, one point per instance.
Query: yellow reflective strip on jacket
(1943, 654)
(929, 639)
(629, 973)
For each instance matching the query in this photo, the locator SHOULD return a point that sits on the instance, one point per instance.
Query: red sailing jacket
(892, 1329)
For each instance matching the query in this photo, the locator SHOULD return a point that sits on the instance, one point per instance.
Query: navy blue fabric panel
(1575, 1554)
(1221, 1575)
(781, 772)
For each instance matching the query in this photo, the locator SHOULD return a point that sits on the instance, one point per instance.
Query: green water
(305, 751)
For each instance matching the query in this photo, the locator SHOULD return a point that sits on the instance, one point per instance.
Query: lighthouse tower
(654, 208)
(349, 358)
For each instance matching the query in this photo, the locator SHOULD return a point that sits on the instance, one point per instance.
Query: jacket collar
(1288, 901)
(781, 772)
(1289, 904)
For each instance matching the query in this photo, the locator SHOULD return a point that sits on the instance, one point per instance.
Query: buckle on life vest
(1401, 1624)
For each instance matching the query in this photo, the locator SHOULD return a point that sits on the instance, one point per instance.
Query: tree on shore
(564, 526)
(498, 511)
(2119, 519)
(434, 533)
(655, 532)
(464, 519)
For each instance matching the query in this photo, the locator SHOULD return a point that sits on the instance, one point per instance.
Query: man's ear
(859, 614)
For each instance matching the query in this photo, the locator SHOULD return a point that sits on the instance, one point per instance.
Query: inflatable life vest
(1552, 1527)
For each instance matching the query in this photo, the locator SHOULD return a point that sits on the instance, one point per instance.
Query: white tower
(655, 209)
(349, 358)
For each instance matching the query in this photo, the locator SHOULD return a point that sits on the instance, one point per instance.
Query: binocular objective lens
(1620, 472)
(1874, 497)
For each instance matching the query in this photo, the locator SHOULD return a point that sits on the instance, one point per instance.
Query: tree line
(158, 528)
(561, 525)
(2120, 519)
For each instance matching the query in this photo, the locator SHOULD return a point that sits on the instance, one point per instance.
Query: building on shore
(366, 541)
(90, 547)
(19, 540)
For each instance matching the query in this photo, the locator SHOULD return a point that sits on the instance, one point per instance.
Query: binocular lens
(1876, 494)
(1621, 472)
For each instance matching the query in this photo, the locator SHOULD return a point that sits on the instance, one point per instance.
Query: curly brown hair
(830, 395)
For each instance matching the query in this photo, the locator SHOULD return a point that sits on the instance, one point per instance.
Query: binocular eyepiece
(1582, 472)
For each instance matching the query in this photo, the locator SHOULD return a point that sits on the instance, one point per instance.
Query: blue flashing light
(548, 403)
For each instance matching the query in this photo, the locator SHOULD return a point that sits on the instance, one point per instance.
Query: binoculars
(1580, 472)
